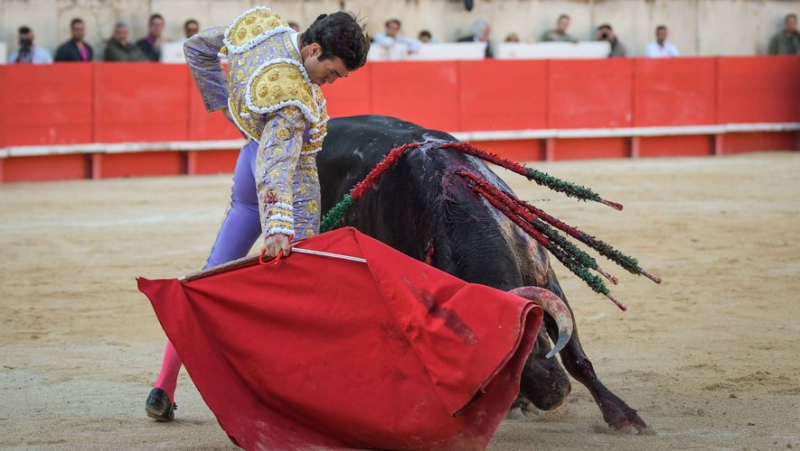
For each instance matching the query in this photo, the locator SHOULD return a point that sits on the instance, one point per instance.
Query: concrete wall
(697, 27)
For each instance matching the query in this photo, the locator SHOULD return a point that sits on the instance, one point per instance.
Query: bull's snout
(544, 381)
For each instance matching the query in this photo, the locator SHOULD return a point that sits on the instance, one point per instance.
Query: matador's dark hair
(340, 35)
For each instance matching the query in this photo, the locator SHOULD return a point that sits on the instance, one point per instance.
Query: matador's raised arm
(202, 55)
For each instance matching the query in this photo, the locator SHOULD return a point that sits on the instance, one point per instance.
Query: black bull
(423, 209)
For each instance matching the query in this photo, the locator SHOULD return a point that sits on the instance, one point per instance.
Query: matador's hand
(274, 244)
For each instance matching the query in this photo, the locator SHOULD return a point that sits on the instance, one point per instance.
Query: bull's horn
(555, 307)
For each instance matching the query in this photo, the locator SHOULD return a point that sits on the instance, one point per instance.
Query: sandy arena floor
(709, 358)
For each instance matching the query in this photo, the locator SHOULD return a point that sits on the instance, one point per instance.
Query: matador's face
(322, 71)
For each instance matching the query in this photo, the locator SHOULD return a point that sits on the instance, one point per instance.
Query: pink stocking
(170, 367)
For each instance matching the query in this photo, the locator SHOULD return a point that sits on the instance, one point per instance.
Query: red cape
(319, 352)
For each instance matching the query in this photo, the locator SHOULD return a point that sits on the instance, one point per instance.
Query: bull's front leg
(615, 411)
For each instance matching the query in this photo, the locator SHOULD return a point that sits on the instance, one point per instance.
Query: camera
(604, 35)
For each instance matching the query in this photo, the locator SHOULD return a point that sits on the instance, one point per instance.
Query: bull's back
(356, 144)
(423, 200)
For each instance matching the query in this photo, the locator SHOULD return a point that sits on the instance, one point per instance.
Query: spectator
(661, 48)
(426, 37)
(28, 52)
(391, 36)
(480, 33)
(190, 28)
(120, 49)
(787, 42)
(560, 33)
(512, 37)
(606, 33)
(294, 26)
(151, 44)
(75, 49)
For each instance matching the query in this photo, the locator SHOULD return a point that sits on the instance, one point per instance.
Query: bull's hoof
(515, 414)
(631, 423)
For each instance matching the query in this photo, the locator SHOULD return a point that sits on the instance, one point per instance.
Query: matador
(272, 94)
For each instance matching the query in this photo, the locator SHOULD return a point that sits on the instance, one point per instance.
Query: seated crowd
(120, 48)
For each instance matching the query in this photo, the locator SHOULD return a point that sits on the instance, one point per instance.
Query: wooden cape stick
(252, 259)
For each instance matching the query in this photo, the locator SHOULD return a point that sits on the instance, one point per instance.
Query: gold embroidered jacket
(270, 97)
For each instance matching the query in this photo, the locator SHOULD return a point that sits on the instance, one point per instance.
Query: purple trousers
(241, 224)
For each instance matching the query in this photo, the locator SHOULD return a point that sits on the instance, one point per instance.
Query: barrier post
(635, 144)
(719, 141)
(191, 162)
(549, 149)
(97, 164)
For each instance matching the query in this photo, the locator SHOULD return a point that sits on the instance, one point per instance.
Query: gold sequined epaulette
(252, 27)
(279, 84)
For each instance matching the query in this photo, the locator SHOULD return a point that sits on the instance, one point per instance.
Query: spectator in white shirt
(393, 37)
(661, 48)
(28, 52)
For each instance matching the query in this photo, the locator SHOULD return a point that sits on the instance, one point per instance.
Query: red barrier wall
(141, 102)
(215, 161)
(422, 92)
(502, 95)
(107, 103)
(765, 89)
(42, 169)
(46, 104)
(749, 142)
(3, 110)
(588, 149)
(590, 93)
(676, 146)
(142, 164)
(674, 92)
(80, 103)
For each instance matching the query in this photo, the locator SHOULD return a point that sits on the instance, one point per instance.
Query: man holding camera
(606, 33)
(28, 52)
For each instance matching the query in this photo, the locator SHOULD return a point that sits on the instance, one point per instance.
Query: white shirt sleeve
(673, 51)
(41, 56)
(382, 40)
(412, 44)
(652, 50)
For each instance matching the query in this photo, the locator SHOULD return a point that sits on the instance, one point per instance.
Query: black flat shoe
(159, 407)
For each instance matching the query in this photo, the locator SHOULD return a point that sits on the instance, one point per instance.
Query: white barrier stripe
(28, 151)
(628, 132)
(199, 146)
